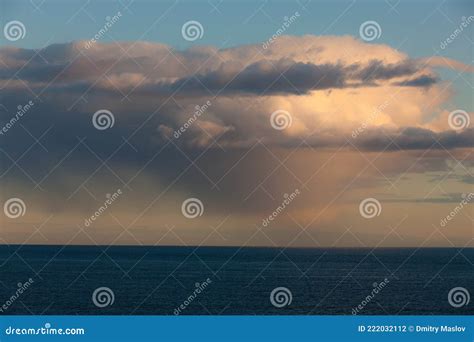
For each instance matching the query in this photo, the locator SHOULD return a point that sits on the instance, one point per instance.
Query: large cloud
(329, 89)
(338, 92)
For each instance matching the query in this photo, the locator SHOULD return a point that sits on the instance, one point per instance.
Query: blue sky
(416, 26)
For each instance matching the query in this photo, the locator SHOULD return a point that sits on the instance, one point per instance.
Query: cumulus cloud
(158, 69)
(198, 123)
(330, 87)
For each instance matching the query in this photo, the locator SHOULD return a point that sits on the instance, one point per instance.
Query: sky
(237, 123)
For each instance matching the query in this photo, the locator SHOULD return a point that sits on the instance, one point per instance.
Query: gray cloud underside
(74, 71)
(286, 76)
(159, 71)
(413, 138)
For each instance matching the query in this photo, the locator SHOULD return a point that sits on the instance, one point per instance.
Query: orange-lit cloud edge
(366, 121)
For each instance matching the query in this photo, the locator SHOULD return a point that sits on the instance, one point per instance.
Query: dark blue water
(157, 280)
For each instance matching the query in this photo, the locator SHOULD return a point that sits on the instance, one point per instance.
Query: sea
(159, 280)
